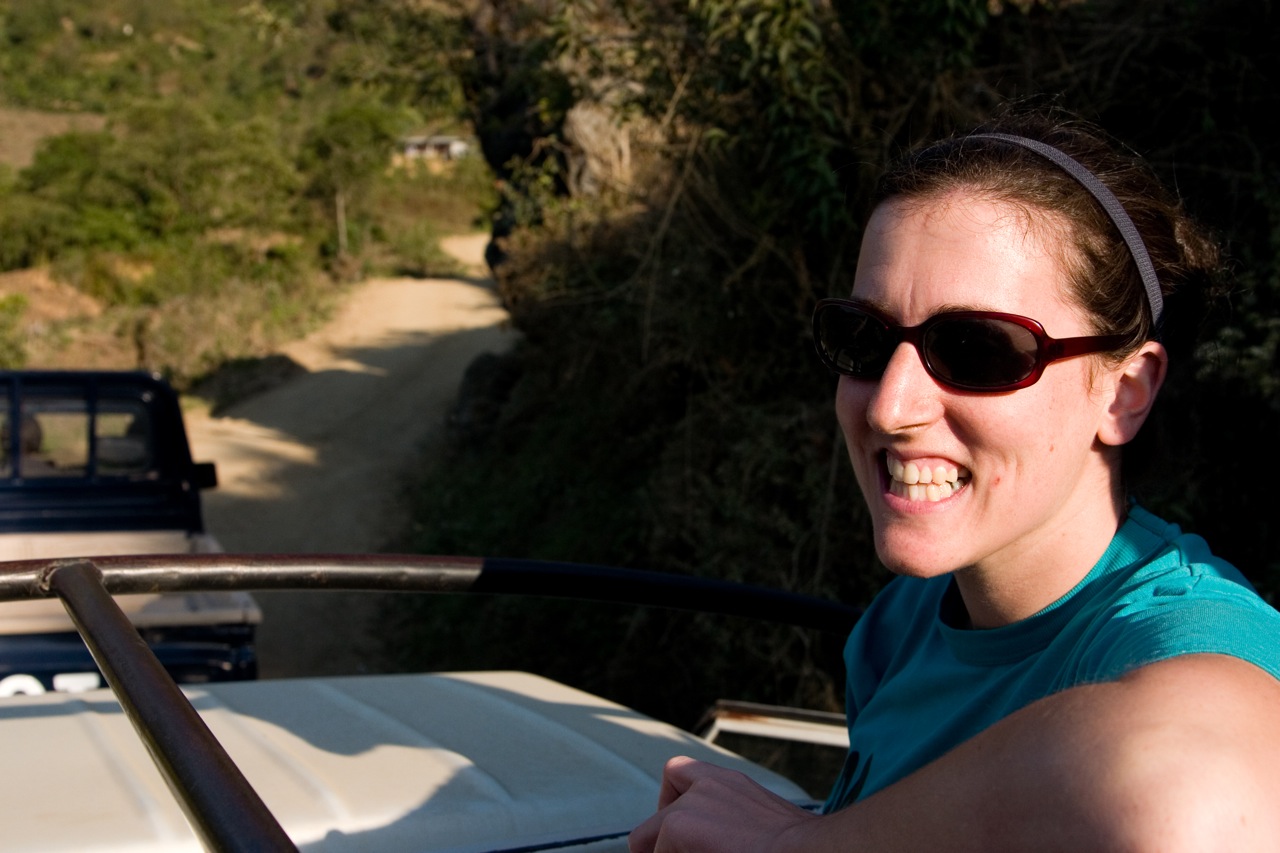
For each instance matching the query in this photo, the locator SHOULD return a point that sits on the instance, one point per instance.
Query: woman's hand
(703, 808)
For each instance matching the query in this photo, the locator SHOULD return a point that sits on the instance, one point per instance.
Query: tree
(344, 151)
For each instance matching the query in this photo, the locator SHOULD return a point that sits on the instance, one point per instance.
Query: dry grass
(48, 300)
(21, 131)
(62, 328)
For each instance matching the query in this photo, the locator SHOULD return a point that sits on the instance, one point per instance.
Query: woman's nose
(906, 398)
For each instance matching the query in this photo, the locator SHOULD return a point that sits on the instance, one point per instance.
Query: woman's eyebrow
(945, 308)
(950, 307)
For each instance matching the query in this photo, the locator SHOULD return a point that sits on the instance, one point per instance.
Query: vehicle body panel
(458, 762)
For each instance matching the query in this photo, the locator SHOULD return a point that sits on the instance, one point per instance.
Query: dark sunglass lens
(853, 342)
(980, 352)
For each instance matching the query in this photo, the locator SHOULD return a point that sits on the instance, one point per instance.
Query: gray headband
(1110, 204)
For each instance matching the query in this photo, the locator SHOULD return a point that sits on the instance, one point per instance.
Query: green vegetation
(680, 182)
(669, 413)
(12, 353)
(239, 176)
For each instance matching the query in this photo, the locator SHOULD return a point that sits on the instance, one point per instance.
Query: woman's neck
(1013, 586)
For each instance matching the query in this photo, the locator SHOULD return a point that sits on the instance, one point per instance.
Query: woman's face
(1023, 471)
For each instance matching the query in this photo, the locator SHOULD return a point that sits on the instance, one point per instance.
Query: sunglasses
(967, 350)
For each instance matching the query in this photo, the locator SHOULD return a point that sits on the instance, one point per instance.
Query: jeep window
(54, 439)
(122, 434)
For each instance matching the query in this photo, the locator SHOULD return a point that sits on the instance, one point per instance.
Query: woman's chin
(914, 558)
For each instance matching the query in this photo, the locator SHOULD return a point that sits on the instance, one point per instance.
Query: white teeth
(917, 482)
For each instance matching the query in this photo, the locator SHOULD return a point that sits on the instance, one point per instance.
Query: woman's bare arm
(1179, 755)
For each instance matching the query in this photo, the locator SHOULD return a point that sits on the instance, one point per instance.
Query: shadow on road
(322, 462)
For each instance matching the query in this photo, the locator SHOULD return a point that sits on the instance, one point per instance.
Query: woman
(1054, 667)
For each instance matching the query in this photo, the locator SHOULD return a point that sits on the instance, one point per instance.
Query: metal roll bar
(414, 573)
(223, 809)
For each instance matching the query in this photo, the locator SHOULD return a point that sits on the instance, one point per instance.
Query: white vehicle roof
(493, 761)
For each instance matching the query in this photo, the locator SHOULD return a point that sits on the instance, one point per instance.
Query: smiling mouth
(922, 482)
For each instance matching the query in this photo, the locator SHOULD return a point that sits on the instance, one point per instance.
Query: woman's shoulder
(1172, 555)
(1177, 599)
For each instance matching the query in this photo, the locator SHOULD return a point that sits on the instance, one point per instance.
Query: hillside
(211, 176)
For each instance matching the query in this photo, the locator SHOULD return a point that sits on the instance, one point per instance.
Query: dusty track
(321, 462)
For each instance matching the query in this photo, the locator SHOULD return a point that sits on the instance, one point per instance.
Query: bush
(667, 321)
(13, 353)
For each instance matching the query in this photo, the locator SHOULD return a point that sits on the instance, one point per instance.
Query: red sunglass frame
(1048, 349)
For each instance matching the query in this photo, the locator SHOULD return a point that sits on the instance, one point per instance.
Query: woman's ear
(1135, 385)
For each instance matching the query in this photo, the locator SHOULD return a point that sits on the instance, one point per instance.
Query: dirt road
(320, 462)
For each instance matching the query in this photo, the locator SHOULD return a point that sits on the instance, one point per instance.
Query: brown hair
(1104, 277)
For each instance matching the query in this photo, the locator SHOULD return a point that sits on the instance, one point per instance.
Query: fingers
(678, 774)
(700, 807)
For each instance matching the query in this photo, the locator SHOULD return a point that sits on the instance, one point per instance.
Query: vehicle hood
(458, 762)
